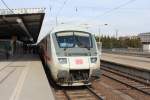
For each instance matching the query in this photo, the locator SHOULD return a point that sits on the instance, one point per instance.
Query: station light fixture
(20, 22)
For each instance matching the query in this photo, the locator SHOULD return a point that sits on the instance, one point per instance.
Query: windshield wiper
(65, 49)
(87, 47)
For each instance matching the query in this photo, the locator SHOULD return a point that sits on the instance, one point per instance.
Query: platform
(132, 61)
(23, 78)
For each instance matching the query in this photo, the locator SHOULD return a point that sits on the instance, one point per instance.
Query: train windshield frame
(74, 39)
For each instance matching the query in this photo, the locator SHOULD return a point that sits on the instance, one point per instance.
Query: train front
(77, 59)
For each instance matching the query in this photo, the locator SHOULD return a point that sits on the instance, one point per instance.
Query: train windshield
(74, 39)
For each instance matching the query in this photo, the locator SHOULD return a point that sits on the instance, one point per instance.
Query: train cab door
(79, 63)
(48, 47)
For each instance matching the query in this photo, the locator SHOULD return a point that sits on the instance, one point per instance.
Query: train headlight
(62, 60)
(93, 59)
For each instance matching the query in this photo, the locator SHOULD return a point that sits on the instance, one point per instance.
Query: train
(71, 55)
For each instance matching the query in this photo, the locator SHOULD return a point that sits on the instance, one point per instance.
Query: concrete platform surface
(132, 61)
(24, 79)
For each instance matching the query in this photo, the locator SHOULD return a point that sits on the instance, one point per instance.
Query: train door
(48, 49)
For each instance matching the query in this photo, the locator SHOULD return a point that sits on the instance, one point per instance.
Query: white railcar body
(72, 57)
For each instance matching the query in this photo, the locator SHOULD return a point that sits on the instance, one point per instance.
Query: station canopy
(145, 37)
(24, 24)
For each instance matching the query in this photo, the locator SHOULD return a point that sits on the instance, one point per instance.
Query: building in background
(145, 39)
(128, 37)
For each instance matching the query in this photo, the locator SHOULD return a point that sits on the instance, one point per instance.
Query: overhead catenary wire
(19, 21)
(118, 7)
(58, 12)
(4, 3)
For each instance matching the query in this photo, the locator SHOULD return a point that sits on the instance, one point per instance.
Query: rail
(132, 71)
(84, 93)
(127, 79)
(94, 93)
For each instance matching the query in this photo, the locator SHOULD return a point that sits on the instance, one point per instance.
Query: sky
(126, 17)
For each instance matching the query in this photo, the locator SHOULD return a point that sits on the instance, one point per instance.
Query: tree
(125, 42)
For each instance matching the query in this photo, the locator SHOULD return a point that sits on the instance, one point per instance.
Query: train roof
(62, 28)
(69, 28)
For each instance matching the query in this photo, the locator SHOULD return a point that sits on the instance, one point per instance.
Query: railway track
(128, 80)
(87, 93)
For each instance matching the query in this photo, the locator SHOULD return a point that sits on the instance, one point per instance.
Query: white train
(72, 56)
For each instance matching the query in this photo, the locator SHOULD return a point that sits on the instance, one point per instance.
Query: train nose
(63, 74)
